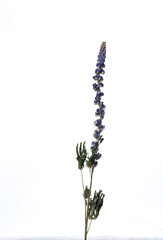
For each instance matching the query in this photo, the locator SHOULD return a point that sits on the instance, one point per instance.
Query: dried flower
(93, 205)
(100, 111)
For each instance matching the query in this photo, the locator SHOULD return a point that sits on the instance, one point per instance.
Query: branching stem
(86, 219)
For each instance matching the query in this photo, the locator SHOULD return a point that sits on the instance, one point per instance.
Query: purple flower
(98, 156)
(94, 146)
(102, 65)
(96, 87)
(102, 106)
(100, 111)
(98, 77)
(101, 139)
(99, 71)
(98, 122)
(96, 134)
(101, 84)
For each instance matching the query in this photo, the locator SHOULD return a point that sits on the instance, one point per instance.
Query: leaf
(81, 155)
(87, 193)
(77, 151)
(95, 205)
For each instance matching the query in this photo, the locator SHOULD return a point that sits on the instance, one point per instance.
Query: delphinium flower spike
(94, 204)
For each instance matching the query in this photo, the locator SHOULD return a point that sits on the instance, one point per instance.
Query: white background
(48, 53)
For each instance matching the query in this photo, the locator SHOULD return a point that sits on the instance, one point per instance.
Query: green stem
(89, 225)
(83, 193)
(86, 220)
(82, 180)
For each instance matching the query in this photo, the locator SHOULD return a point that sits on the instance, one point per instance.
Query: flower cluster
(100, 111)
(93, 204)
